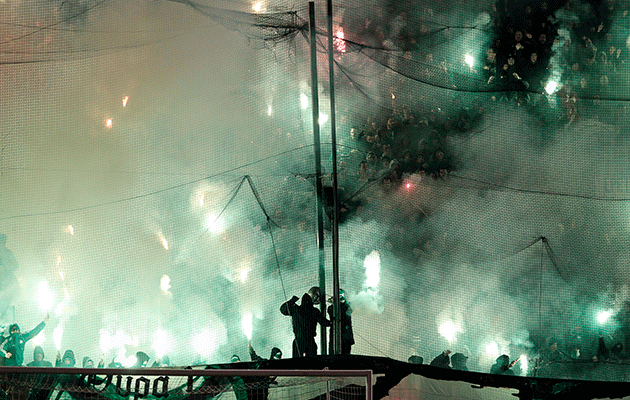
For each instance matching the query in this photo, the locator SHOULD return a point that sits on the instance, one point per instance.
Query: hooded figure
(276, 354)
(345, 316)
(13, 345)
(38, 359)
(442, 361)
(67, 361)
(88, 362)
(142, 360)
(502, 366)
(458, 360)
(304, 318)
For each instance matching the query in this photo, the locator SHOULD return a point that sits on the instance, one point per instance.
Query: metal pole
(318, 168)
(336, 328)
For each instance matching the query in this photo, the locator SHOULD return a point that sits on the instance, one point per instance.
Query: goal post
(198, 382)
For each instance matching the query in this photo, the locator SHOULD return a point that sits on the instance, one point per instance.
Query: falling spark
(61, 275)
(57, 335)
(243, 274)
(269, 111)
(246, 325)
(449, 330)
(70, 229)
(201, 199)
(58, 260)
(303, 101)
(109, 123)
(339, 42)
(165, 284)
(124, 101)
(164, 242)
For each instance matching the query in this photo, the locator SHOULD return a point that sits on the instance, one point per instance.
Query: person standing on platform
(304, 318)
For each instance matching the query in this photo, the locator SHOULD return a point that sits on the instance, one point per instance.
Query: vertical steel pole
(336, 328)
(318, 168)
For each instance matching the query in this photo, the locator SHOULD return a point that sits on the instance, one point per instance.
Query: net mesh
(158, 178)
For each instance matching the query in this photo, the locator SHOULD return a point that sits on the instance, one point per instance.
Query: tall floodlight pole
(318, 168)
(336, 327)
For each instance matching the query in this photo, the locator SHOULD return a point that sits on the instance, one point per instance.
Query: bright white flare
(269, 111)
(46, 296)
(125, 100)
(69, 229)
(57, 335)
(469, 60)
(257, 7)
(247, 324)
(323, 118)
(449, 330)
(492, 349)
(603, 316)
(524, 364)
(109, 123)
(39, 339)
(161, 343)
(214, 224)
(551, 86)
(303, 101)
(372, 264)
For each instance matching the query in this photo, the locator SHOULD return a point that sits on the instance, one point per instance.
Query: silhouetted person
(304, 318)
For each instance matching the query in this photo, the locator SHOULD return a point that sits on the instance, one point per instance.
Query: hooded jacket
(42, 363)
(15, 343)
(304, 319)
(69, 354)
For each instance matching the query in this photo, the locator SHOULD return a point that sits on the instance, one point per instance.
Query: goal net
(18, 383)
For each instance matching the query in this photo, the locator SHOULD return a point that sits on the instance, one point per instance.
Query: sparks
(269, 111)
(69, 229)
(551, 86)
(201, 199)
(109, 123)
(469, 60)
(164, 242)
(124, 101)
(340, 44)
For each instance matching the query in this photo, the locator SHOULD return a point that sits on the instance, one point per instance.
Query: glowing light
(109, 123)
(61, 275)
(449, 330)
(323, 118)
(257, 7)
(469, 60)
(69, 229)
(372, 264)
(214, 224)
(340, 44)
(603, 316)
(243, 274)
(246, 324)
(57, 335)
(161, 343)
(492, 349)
(163, 241)
(303, 101)
(204, 343)
(269, 111)
(201, 199)
(39, 339)
(524, 364)
(46, 296)
(165, 284)
(125, 100)
(105, 341)
(551, 87)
